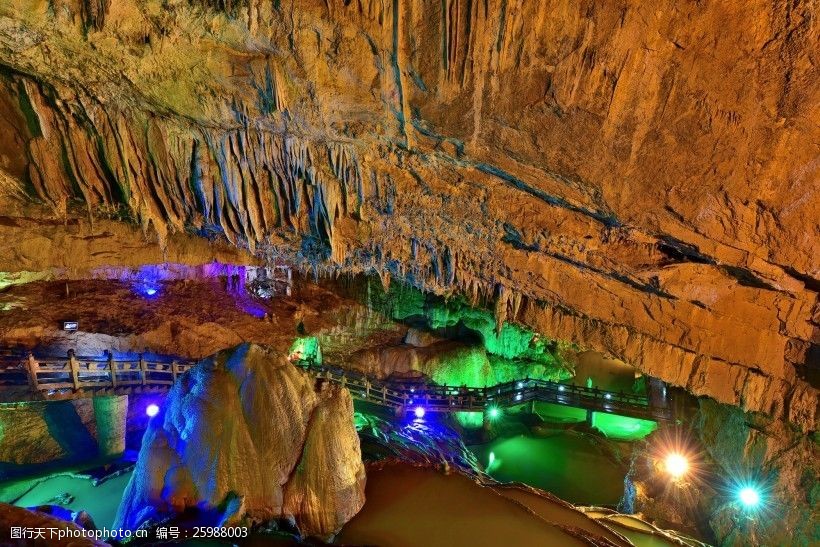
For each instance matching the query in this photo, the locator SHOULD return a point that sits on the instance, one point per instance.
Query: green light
(306, 348)
(491, 459)
(495, 412)
(510, 354)
(470, 420)
(623, 427)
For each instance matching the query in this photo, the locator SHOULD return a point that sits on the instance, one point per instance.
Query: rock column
(110, 414)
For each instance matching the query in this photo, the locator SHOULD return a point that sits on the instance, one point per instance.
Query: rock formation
(245, 434)
(56, 531)
(640, 180)
(729, 449)
(38, 433)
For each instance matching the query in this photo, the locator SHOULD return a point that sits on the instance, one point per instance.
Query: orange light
(676, 465)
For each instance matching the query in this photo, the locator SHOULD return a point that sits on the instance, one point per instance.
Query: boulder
(238, 431)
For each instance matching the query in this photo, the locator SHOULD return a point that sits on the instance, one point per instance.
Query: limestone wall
(45, 432)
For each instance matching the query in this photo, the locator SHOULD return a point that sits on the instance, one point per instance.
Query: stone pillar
(110, 413)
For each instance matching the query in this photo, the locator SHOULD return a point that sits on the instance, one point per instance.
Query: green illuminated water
(613, 426)
(622, 427)
(100, 502)
(571, 466)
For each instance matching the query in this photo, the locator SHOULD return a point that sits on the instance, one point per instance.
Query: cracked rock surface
(639, 179)
(247, 434)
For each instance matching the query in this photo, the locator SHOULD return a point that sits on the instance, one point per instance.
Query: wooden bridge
(406, 395)
(27, 377)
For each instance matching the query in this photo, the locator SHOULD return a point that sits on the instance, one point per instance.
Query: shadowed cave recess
(409, 272)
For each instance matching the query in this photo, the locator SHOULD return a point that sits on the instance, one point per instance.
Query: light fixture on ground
(152, 410)
(676, 465)
(419, 412)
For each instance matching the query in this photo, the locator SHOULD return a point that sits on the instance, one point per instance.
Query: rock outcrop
(729, 449)
(245, 434)
(55, 531)
(638, 180)
(34, 434)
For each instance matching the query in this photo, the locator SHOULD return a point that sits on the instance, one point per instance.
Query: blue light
(419, 412)
(152, 410)
(561, 388)
(749, 497)
(608, 396)
(147, 288)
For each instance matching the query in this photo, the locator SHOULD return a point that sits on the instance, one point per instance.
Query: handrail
(81, 373)
(442, 398)
(55, 374)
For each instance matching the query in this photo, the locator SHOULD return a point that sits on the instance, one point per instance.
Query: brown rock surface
(638, 178)
(52, 527)
(326, 489)
(246, 434)
(190, 318)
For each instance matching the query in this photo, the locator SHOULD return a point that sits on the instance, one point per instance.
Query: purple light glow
(419, 412)
(152, 410)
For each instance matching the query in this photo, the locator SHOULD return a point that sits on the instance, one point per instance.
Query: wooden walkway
(407, 395)
(29, 377)
(74, 376)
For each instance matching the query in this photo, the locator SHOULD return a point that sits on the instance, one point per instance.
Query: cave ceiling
(639, 178)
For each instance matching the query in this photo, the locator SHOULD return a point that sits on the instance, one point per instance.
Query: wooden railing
(438, 398)
(53, 376)
(77, 373)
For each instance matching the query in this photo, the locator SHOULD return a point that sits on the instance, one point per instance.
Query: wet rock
(236, 434)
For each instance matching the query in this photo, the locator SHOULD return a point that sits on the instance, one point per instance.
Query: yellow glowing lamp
(676, 465)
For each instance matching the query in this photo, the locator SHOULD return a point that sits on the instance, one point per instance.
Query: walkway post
(143, 370)
(112, 368)
(32, 366)
(174, 370)
(74, 365)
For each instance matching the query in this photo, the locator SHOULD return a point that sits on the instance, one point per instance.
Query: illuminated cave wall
(37, 433)
(492, 351)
